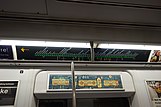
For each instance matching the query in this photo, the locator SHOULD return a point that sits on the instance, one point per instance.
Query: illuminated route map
(103, 54)
(52, 53)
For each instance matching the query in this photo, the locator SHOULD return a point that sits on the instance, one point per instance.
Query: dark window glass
(101, 102)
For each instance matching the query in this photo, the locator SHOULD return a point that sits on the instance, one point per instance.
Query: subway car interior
(80, 53)
(52, 74)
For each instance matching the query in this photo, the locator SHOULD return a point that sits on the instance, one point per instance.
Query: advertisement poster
(60, 82)
(108, 82)
(6, 52)
(156, 56)
(8, 90)
(154, 88)
(99, 82)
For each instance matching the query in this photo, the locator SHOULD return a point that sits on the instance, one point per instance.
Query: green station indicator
(52, 53)
(103, 54)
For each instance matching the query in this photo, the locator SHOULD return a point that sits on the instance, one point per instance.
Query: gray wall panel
(57, 31)
(24, 6)
(141, 98)
(105, 13)
(142, 2)
(25, 96)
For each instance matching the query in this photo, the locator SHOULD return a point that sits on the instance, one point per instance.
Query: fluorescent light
(78, 44)
(121, 46)
(130, 46)
(153, 47)
(68, 44)
(44, 43)
(22, 42)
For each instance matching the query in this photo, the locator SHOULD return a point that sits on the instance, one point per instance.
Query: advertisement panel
(154, 90)
(8, 90)
(59, 82)
(85, 82)
(6, 52)
(155, 56)
(99, 82)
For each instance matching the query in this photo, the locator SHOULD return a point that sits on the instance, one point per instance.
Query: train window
(96, 102)
(53, 103)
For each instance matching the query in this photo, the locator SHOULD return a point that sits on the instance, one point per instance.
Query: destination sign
(102, 54)
(85, 82)
(8, 91)
(52, 53)
(6, 52)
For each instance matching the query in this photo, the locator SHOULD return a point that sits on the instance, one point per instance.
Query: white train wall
(25, 92)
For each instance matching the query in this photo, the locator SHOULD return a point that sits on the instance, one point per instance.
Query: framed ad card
(154, 90)
(84, 82)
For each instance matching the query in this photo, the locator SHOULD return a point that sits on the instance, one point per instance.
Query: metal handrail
(73, 85)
